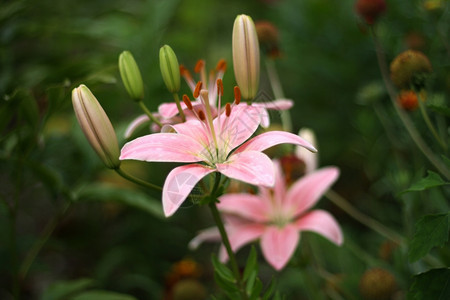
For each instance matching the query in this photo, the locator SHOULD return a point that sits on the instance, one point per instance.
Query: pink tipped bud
(96, 126)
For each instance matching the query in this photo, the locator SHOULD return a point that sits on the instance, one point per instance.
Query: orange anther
(201, 115)
(185, 72)
(221, 65)
(199, 65)
(220, 87)
(197, 89)
(237, 95)
(228, 109)
(187, 101)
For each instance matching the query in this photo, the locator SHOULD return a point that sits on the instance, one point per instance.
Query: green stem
(149, 113)
(37, 246)
(136, 180)
(428, 122)
(362, 218)
(278, 93)
(180, 110)
(438, 164)
(225, 240)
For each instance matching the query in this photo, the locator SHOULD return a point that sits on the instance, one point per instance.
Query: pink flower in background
(211, 145)
(276, 216)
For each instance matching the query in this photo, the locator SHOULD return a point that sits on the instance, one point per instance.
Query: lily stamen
(187, 76)
(237, 95)
(200, 68)
(197, 89)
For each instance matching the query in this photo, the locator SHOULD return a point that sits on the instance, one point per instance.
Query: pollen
(201, 115)
(199, 66)
(228, 109)
(197, 89)
(237, 95)
(220, 87)
(187, 101)
(221, 65)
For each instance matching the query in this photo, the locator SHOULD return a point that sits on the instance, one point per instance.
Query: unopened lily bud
(96, 126)
(131, 76)
(170, 69)
(246, 56)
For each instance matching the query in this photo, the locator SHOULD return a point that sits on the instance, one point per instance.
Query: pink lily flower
(211, 145)
(276, 216)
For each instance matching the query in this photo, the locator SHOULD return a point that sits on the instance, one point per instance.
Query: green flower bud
(96, 126)
(131, 76)
(246, 56)
(170, 69)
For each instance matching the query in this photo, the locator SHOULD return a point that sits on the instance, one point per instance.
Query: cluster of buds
(410, 69)
(370, 10)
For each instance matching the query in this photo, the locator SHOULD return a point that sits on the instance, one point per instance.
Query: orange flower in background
(370, 10)
(408, 99)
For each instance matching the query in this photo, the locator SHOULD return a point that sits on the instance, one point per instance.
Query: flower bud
(170, 69)
(268, 38)
(246, 56)
(410, 68)
(377, 284)
(370, 10)
(96, 126)
(131, 76)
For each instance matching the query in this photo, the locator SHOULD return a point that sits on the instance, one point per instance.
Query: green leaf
(102, 295)
(252, 264)
(270, 289)
(223, 271)
(431, 181)
(441, 109)
(64, 289)
(251, 281)
(431, 231)
(433, 284)
(133, 198)
(256, 289)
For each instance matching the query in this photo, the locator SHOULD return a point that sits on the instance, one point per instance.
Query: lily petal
(278, 104)
(241, 235)
(278, 245)
(272, 138)
(250, 166)
(142, 119)
(323, 223)
(207, 235)
(247, 206)
(238, 127)
(305, 192)
(179, 184)
(168, 147)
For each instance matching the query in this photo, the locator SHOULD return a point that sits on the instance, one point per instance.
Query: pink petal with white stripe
(278, 245)
(245, 205)
(305, 192)
(179, 184)
(323, 223)
(142, 119)
(278, 104)
(272, 138)
(250, 166)
(207, 235)
(168, 147)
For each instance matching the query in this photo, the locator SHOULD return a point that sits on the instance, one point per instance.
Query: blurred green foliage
(327, 60)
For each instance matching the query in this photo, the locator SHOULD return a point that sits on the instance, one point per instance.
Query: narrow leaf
(223, 271)
(102, 295)
(256, 289)
(431, 181)
(64, 289)
(431, 231)
(251, 264)
(270, 289)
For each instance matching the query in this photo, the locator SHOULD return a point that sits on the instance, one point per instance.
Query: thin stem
(278, 93)
(427, 120)
(149, 113)
(362, 218)
(136, 180)
(226, 241)
(37, 246)
(180, 110)
(438, 164)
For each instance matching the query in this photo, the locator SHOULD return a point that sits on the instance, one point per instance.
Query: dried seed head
(410, 68)
(377, 284)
